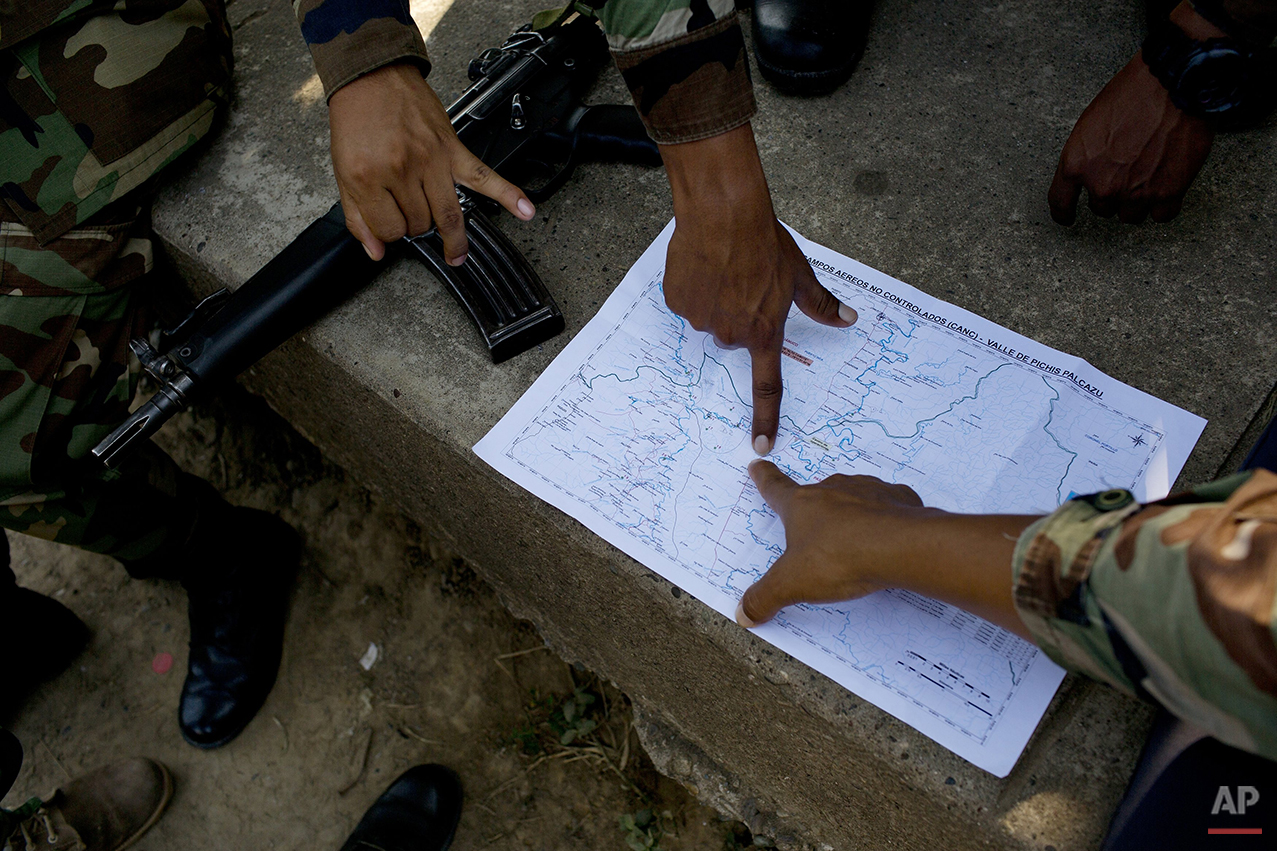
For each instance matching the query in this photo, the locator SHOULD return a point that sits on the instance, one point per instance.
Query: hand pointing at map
(733, 270)
(849, 536)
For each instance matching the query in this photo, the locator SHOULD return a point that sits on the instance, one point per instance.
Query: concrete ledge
(932, 164)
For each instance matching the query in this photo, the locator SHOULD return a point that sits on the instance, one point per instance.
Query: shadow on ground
(547, 753)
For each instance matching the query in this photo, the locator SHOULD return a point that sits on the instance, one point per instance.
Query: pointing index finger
(775, 487)
(472, 173)
(768, 389)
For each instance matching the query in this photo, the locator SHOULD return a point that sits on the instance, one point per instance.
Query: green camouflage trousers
(67, 312)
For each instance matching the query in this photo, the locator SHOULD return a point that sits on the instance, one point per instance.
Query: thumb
(762, 600)
(820, 304)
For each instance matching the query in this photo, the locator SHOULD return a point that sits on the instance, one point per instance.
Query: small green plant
(569, 721)
(553, 724)
(527, 737)
(644, 829)
(526, 740)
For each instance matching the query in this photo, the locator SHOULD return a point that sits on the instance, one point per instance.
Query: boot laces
(51, 835)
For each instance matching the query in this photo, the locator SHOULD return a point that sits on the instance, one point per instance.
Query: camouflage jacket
(683, 60)
(348, 38)
(98, 95)
(1174, 601)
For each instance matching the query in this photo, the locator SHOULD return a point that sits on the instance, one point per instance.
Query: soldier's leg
(23, 615)
(237, 566)
(67, 312)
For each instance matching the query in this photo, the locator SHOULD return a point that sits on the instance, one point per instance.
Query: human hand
(397, 160)
(849, 536)
(839, 540)
(733, 270)
(1133, 150)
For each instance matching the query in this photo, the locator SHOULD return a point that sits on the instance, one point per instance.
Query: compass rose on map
(1136, 440)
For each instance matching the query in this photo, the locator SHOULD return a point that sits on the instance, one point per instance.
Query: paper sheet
(640, 430)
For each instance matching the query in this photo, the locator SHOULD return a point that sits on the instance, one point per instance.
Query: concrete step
(932, 165)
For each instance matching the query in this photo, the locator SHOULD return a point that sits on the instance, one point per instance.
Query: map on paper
(640, 430)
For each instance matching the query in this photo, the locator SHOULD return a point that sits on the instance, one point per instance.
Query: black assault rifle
(524, 118)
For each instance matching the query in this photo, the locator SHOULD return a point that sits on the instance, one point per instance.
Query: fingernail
(457, 261)
(742, 618)
(762, 444)
(526, 209)
(368, 251)
(846, 314)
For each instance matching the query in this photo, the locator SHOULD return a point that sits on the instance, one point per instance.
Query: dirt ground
(546, 753)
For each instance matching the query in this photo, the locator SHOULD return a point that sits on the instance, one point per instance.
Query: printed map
(641, 429)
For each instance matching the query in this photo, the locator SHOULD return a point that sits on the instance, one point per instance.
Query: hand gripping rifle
(524, 118)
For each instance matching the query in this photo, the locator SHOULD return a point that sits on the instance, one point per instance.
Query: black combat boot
(39, 636)
(418, 812)
(238, 567)
(809, 47)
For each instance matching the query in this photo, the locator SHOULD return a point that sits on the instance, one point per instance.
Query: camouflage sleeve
(349, 38)
(1174, 601)
(684, 62)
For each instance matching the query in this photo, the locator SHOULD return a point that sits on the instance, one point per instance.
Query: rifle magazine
(496, 286)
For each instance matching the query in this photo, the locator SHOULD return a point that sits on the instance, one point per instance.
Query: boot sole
(806, 83)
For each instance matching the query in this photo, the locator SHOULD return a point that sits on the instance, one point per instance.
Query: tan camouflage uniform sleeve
(349, 38)
(1174, 601)
(684, 62)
